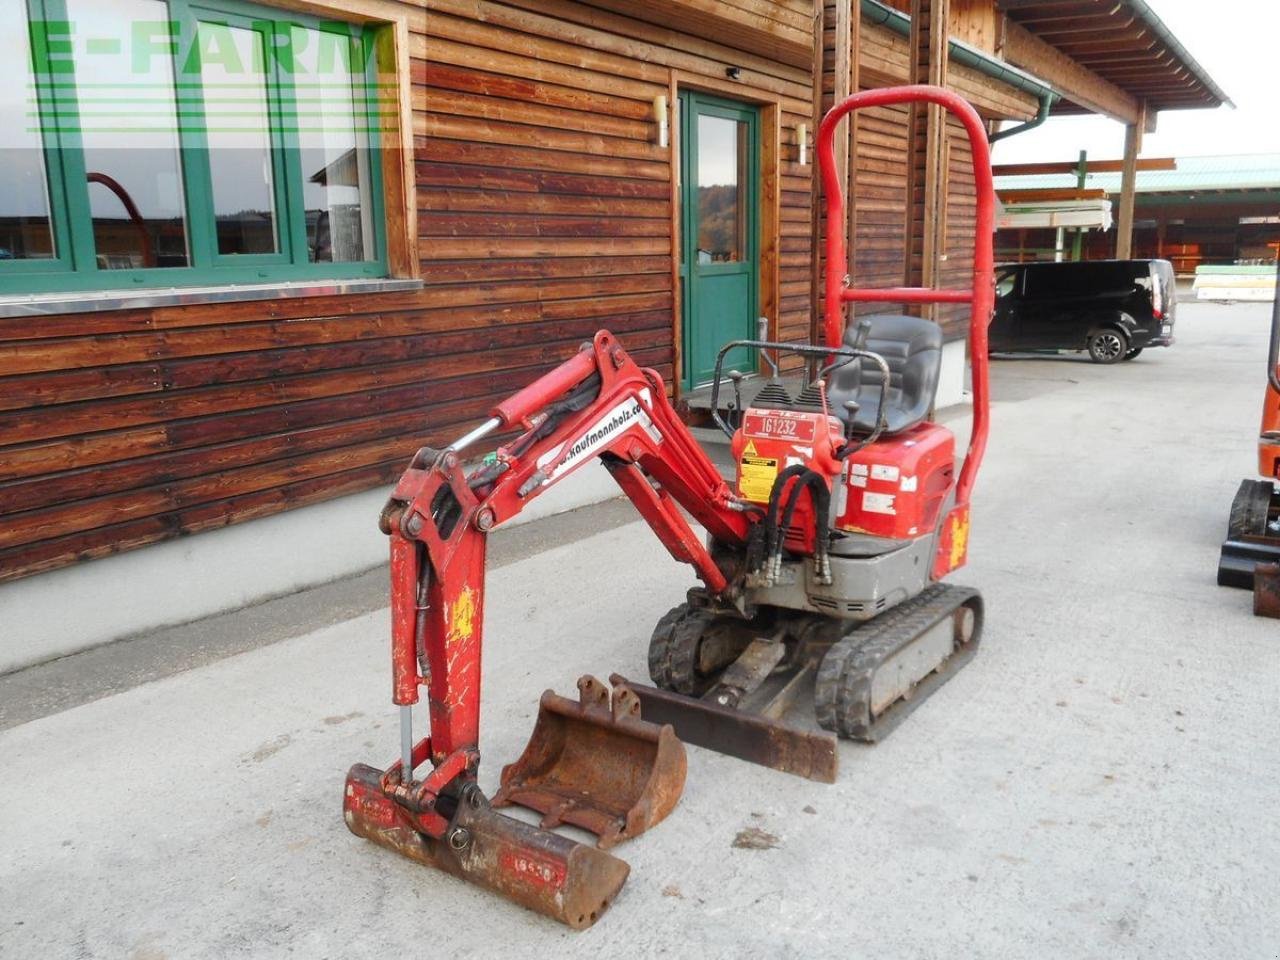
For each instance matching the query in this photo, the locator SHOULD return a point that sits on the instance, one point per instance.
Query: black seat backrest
(912, 348)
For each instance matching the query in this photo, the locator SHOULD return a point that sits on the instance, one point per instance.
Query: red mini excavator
(1251, 553)
(822, 562)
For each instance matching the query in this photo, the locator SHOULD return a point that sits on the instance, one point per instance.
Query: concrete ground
(1100, 781)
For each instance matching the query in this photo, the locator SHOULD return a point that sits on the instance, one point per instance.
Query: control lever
(860, 337)
(851, 412)
(736, 377)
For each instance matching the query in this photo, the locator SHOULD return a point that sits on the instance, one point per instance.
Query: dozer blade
(561, 878)
(738, 733)
(597, 765)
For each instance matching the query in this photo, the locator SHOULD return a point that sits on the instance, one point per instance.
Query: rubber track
(673, 649)
(1249, 510)
(842, 690)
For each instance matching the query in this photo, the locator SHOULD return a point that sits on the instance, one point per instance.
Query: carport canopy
(1111, 57)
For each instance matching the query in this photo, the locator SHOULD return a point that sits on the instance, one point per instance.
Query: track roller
(872, 679)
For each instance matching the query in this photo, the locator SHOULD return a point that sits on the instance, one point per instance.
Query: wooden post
(815, 180)
(843, 59)
(1129, 184)
(926, 196)
(854, 85)
(1082, 177)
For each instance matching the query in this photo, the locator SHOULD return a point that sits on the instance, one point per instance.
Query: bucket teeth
(543, 871)
(595, 764)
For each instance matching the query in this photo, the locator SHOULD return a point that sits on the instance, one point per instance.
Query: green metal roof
(1258, 171)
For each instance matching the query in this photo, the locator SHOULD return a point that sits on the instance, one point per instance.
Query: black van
(1112, 308)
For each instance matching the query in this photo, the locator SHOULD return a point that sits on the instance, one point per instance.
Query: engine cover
(895, 488)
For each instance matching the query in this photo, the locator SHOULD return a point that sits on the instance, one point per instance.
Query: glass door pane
(26, 230)
(237, 116)
(128, 129)
(722, 179)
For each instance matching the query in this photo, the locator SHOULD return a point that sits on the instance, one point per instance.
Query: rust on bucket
(595, 764)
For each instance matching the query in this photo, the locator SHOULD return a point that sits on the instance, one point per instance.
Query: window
(1056, 281)
(179, 142)
(1006, 280)
(723, 153)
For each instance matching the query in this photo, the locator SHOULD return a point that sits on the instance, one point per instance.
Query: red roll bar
(981, 296)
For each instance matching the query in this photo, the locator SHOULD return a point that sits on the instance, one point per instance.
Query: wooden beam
(1049, 194)
(1094, 166)
(1024, 49)
(926, 151)
(855, 86)
(751, 27)
(815, 182)
(1129, 184)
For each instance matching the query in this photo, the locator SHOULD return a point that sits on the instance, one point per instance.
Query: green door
(720, 233)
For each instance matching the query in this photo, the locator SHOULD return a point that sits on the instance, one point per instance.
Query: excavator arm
(597, 405)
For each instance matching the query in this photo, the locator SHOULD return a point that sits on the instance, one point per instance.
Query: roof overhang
(1124, 54)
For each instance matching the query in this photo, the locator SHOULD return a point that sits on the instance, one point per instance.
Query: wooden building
(415, 208)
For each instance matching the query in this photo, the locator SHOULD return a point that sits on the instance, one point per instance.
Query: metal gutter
(880, 15)
(1046, 104)
(1175, 46)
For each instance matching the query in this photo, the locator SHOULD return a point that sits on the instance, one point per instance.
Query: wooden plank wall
(538, 153)
(544, 214)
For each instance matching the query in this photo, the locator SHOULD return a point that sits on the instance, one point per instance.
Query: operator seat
(912, 348)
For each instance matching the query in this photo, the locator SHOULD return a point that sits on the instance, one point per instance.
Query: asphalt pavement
(1101, 781)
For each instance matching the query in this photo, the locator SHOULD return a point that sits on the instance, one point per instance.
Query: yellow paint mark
(959, 539)
(462, 617)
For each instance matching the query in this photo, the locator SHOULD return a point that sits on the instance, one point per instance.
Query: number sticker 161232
(779, 425)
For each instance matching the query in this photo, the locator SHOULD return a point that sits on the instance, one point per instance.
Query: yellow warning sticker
(756, 476)
(750, 449)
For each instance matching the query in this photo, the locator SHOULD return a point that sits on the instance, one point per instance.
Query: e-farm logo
(104, 75)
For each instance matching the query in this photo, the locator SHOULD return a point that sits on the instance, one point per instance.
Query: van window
(1006, 280)
(1056, 281)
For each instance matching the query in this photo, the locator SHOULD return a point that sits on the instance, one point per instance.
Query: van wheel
(1133, 353)
(1107, 346)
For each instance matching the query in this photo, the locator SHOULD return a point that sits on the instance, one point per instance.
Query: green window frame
(74, 266)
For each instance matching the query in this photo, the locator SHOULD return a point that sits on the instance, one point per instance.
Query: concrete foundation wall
(54, 614)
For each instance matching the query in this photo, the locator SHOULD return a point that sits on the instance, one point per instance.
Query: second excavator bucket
(594, 763)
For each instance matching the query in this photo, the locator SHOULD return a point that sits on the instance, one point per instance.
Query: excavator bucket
(553, 875)
(595, 764)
